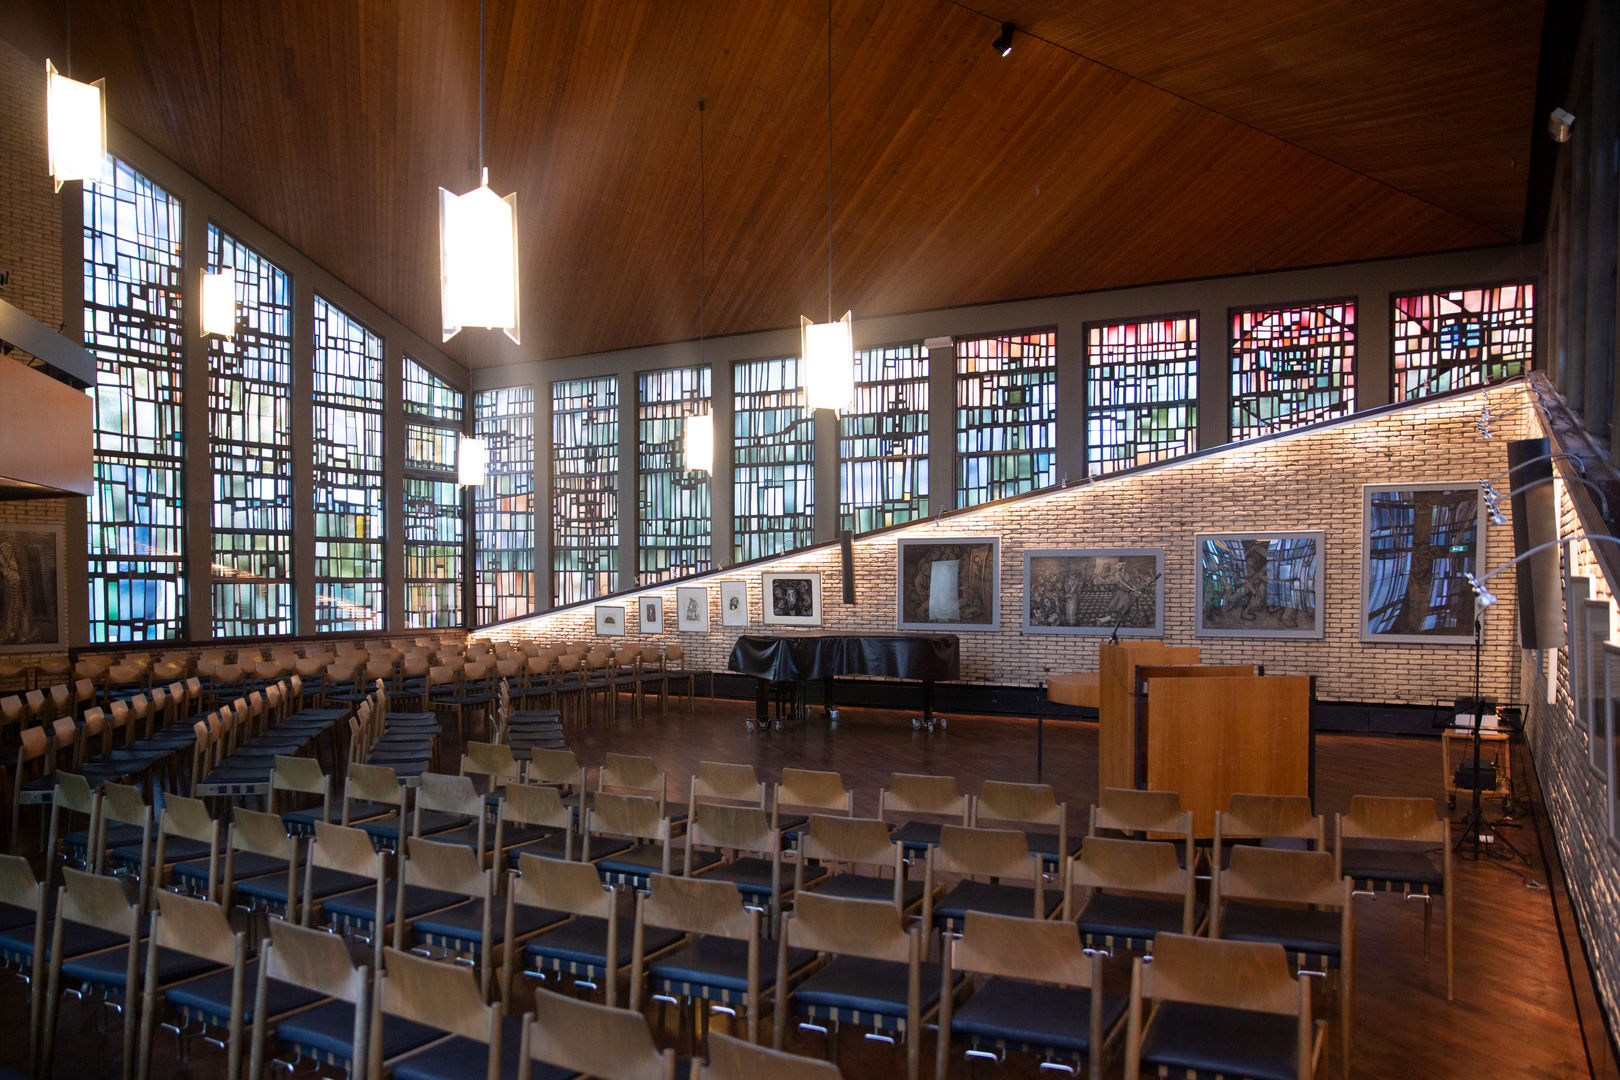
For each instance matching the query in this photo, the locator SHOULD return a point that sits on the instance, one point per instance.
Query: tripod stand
(1474, 825)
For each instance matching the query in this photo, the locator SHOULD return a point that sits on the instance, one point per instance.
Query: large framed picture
(1094, 591)
(1417, 542)
(1260, 584)
(610, 620)
(949, 582)
(692, 608)
(734, 603)
(792, 599)
(31, 588)
(652, 614)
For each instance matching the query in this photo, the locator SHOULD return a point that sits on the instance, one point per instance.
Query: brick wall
(1310, 480)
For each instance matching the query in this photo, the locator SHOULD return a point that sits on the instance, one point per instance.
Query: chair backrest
(442, 996)
(492, 760)
(696, 906)
(1374, 817)
(12, 710)
(594, 1040)
(532, 804)
(913, 793)
(731, 828)
(1128, 810)
(318, 961)
(574, 887)
(1248, 975)
(1134, 866)
(635, 817)
(197, 928)
(302, 776)
(93, 900)
(737, 1059)
(727, 782)
(1024, 804)
(997, 853)
(447, 867)
(1277, 876)
(447, 795)
(18, 885)
(557, 767)
(1034, 950)
(874, 929)
(631, 772)
(260, 833)
(849, 842)
(371, 783)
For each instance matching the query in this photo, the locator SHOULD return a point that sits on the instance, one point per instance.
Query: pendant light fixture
(829, 347)
(219, 288)
(478, 254)
(472, 462)
(75, 121)
(698, 438)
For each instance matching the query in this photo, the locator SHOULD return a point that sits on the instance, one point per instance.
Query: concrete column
(1214, 378)
(941, 424)
(198, 472)
(629, 486)
(76, 562)
(721, 478)
(1071, 405)
(1374, 365)
(542, 497)
(303, 448)
(393, 437)
(825, 478)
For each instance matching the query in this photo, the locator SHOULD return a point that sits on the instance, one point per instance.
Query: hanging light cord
(480, 91)
(703, 231)
(219, 90)
(829, 163)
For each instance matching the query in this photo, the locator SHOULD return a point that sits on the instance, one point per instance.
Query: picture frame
(1611, 709)
(650, 610)
(1417, 542)
(948, 583)
(1094, 591)
(610, 620)
(1260, 584)
(32, 600)
(1593, 689)
(791, 598)
(734, 603)
(692, 609)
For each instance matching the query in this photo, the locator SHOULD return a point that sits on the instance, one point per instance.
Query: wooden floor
(1513, 1015)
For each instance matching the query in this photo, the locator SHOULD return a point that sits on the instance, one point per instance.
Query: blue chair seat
(1132, 920)
(461, 1058)
(714, 963)
(13, 917)
(645, 859)
(1045, 844)
(325, 881)
(513, 835)
(1209, 1040)
(248, 864)
(1370, 866)
(553, 846)
(108, 968)
(270, 888)
(77, 939)
(966, 896)
(582, 942)
(1026, 1017)
(175, 849)
(752, 875)
(359, 907)
(864, 991)
(461, 927)
(117, 836)
(917, 836)
(209, 997)
(1297, 930)
(866, 887)
(326, 1030)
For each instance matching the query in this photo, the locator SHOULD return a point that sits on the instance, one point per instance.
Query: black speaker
(846, 556)
(1535, 522)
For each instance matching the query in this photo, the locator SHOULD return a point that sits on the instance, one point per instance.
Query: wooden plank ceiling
(1126, 142)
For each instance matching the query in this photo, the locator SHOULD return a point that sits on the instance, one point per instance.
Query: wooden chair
(449, 804)
(844, 847)
(676, 672)
(1001, 804)
(125, 822)
(1228, 1008)
(718, 962)
(1271, 820)
(33, 765)
(592, 1040)
(556, 768)
(637, 833)
(186, 832)
(374, 800)
(1138, 892)
(447, 1000)
(749, 853)
(938, 798)
(1037, 983)
(184, 926)
(726, 782)
(1132, 812)
(635, 775)
(314, 961)
(1390, 845)
(867, 969)
(22, 937)
(261, 864)
(462, 919)
(341, 862)
(301, 776)
(1000, 857)
(733, 1059)
(532, 820)
(1296, 899)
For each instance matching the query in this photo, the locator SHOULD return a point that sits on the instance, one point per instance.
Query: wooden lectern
(1117, 704)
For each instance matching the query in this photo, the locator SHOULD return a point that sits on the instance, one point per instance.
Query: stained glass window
(1006, 415)
(673, 526)
(1459, 338)
(773, 460)
(250, 448)
(1292, 366)
(883, 440)
(503, 509)
(1141, 392)
(584, 488)
(348, 485)
(132, 324)
(433, 522)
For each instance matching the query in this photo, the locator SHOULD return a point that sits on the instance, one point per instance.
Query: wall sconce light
(76, 122)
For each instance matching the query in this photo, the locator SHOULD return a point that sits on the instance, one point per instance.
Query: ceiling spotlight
(1003, 44)
(1559, 123)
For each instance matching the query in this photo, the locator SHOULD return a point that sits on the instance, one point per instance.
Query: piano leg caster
(751, 724)
(918, 723)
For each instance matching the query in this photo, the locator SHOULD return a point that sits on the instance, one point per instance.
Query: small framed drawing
(31, 588)
(734, 603)
(1094, 591)
(1417, 543)
(792, 599)
(652, 614)
(952, 582)
(610, 620)
(692, 609)
(1260, 584)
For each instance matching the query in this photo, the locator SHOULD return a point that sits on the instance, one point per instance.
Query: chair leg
(1449, 965)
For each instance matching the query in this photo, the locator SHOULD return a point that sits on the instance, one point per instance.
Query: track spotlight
(1003, 44)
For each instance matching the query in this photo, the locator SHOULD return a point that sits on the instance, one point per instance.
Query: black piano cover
(802, 657)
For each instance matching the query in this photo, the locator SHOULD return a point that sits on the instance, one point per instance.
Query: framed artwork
(734, 603)
(31, 588)
(651, 610)
(949, 583)
(692, 608)
(1599, 616)
(1094, 591)
(1576, 591)
(792, 599)
(1417, 542)
(610, 620)
(1260, 584)
(1611, 691)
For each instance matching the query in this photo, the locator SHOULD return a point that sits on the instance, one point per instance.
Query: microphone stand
(1474, 825)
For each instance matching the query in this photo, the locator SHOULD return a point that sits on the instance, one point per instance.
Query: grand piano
(785, 664)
